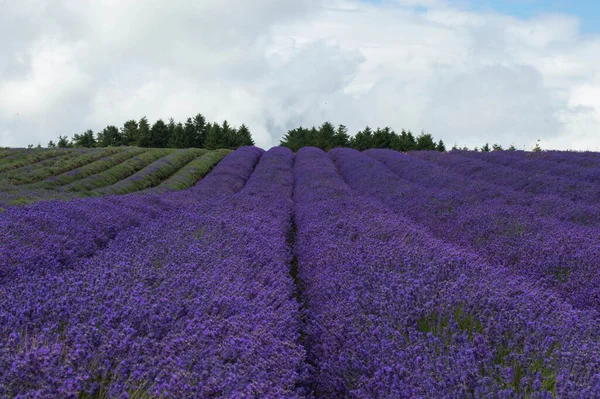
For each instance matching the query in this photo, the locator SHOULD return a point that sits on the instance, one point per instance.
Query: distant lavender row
(27, 157)
(153, 174)
(393, 312)
(581, 166)
(191, 173)
(560, 255)
(98, 166)
(535, 180)
(43, 170)
(117, 172)
(470, 173)
(196, 303)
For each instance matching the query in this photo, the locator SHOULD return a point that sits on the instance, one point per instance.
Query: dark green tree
(228, 136)
(189, 134)
(404, 142)
(86, 139)
(486, 148)
(110, 136)
(130, 133)
(244, 136)
(441, 147)
(341, 138)
(362, 140)
(171, 128)
(296, 138)
(382, 138)
(214, 139)
(143, 133)
(425, 142)
(200, 131)
(512, 148)
(159, 135)
(496, 147)
(63, 142)
(51, 144)
(177, 138)
(324, 137)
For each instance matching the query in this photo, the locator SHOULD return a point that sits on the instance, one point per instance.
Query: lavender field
(274, 274)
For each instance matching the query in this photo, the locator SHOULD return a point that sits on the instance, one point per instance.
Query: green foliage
(214, 139)
(382, 138)
(85, 139)
(486, 148)
(497, 147)
(143, 133)
(110, 136)
(362, 140)
(512, 148)
(327, 137)
(244, 137)
(441, 147)
(193, 134)
(159, 135)
(63, 142)
(130, 133)
(296, 138)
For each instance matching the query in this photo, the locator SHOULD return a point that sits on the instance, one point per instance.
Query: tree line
(327, 136)
(195, 132)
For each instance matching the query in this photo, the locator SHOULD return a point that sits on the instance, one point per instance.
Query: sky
(466, 71)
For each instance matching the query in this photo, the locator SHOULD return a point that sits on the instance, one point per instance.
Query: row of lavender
(184, 295)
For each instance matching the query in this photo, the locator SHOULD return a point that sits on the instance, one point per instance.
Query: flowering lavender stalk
(394, 312)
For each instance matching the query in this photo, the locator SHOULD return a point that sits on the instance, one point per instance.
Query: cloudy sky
(469, 72)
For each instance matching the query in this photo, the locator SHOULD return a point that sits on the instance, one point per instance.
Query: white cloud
(467, 77)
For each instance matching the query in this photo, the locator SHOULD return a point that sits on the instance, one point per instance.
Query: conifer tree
(362, 140)
(441, 147)
(425, 142)
(244, 136)
(86, 139)
(214, 138)
(143, 133)
(159, 134)
(110, 136)
(130, 133)
(341, 138)
(200, 131)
